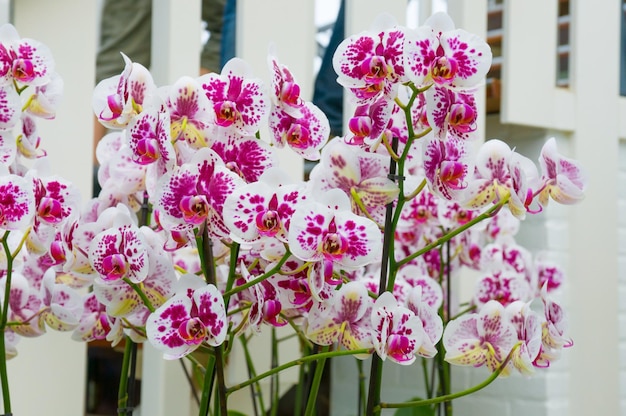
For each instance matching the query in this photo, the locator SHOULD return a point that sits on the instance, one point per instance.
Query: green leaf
(235, 413)
(416, 411)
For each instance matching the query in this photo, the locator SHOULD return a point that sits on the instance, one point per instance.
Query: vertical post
(594, 240)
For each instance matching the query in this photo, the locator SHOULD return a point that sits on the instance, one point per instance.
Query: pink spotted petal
(191, 114)
(247, 157)
(212, 313)
(239, 101)
(162, 327)
(17, 202)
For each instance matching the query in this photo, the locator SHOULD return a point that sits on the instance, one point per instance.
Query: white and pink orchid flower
(359, 174)
(117, 100)
(344, 318)
(195, 314)
(451, 113)
(500, 172)
(195, 192)
(528, 326)
(398, 333)
(192, 118)
(325, 230)
(238, 100)
(564, 179)
(482, 338)
(17, 202)
(440, 54)
(263, 209)
(371, 64)
(432, 323)
(120, 252)
(25, 61)
(247, 157)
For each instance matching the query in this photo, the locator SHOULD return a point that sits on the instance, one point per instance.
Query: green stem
(487, 214)
(122, 392)
(205, 246)
(362, 392)
(299, 361)
(144, 298)
(452, 396)
(261, 278)
(275, 381)
(315, 385)
(255, 388)
(207, 386)
(6, 396)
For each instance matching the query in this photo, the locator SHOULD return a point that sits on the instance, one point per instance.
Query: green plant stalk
(122, 392)
(207, 386)
(208, 268)
(315, 385)
(361, 399)
(257, 394)
(387, 262)
(275, 380)
(452, 396)
(260, 278)
(6, 395)
(299, 361)
(487, 214)
(136, 287)
(297, 405)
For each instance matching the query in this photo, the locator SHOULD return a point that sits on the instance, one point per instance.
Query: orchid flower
(43, 100)
(528, 326)
(122, 300)
(117, 100)
(63, 305)
(482, 338)
(499, 173)
(195, 314)
(192, 118)
(359, 174)
(564, 179)
(17, 202)
(325, 230)
(451, 114)
(398, 333)
(263, 209)
(345, 318)
(446, 166)
(371, 64)
(195, 192)
(440, 54)
(432, 323)
(239, 101)
(23, 60)
(247, 157)
(120, 252)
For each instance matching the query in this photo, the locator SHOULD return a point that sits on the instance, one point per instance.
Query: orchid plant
(199, 239)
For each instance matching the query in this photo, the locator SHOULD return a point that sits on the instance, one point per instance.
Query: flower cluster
(199, 236)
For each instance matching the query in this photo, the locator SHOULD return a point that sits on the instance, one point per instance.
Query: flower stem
(299, 361)
(452, 396)
(122, 392)
(4, 378)
(255, 388)
(487, 214)
(315, 385)
(259, 279)
(207, 386)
